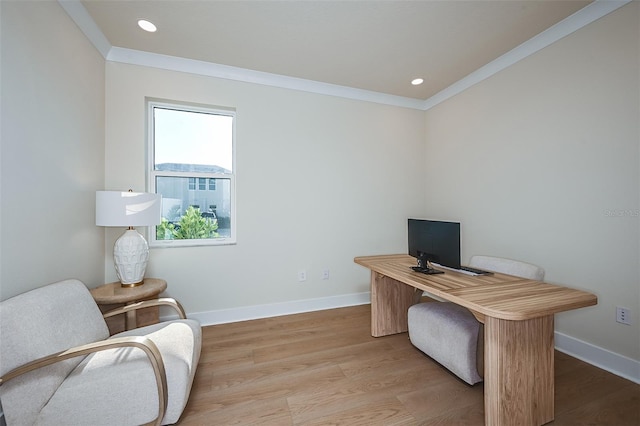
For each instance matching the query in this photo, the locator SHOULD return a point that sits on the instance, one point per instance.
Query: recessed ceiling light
(147, 26)
(417, 81)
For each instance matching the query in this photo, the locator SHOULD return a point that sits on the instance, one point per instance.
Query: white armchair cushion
(94, 388)
(179, 343)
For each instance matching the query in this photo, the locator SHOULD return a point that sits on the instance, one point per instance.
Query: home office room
(532, 147)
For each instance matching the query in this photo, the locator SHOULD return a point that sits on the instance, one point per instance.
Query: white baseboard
(245, 313)
(615, 363)
(602, 358)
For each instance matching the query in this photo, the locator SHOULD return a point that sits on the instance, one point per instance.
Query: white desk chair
(450, 334)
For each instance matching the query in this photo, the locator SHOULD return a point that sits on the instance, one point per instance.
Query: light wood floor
(324, 368)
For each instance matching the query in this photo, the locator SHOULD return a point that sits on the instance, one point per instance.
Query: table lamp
(129, 209)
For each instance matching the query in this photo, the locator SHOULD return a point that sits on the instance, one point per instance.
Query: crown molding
(173, 63)
(87, 25)
(581, 18)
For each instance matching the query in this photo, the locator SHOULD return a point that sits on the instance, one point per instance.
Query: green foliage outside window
(164, 231)
(192, 225)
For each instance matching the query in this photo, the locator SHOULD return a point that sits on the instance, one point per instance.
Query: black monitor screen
(439, 241)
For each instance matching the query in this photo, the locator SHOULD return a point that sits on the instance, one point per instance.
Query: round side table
(112, 295)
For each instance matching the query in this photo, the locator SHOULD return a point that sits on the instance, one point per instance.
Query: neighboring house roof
(197, 168)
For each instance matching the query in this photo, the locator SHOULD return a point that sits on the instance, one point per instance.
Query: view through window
(192, 166)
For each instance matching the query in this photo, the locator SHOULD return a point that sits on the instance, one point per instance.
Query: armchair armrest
(165, 301)
(143, 343)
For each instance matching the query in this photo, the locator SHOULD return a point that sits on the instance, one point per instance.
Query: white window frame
(152, 174)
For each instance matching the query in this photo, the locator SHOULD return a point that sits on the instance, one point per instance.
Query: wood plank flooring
(324, 368)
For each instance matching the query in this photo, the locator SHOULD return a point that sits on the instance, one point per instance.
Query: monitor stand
(424, 268)
(428, 271)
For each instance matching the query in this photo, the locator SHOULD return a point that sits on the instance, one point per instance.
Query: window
(192, 165)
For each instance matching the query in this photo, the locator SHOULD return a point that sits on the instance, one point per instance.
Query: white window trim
(152, 173)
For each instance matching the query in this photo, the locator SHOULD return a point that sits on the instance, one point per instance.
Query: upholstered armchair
(59, 366)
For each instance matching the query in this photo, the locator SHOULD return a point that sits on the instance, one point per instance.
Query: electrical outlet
(302, 275)
(325, 274)
(623, 315)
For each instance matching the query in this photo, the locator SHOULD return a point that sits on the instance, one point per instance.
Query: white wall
(320, 180)
(534, 160)
(52, 149)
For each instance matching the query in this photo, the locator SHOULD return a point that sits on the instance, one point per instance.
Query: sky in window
(193, 138)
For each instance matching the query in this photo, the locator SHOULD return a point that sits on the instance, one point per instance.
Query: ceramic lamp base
(130, 255)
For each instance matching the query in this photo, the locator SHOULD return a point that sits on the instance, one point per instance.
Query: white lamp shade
(122, 208)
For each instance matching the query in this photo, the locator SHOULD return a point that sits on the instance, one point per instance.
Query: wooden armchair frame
(162, 301)
(143, 343)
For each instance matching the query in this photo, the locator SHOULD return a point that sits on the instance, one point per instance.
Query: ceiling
(377, 46)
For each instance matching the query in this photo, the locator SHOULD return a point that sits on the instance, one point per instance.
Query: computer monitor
(434, 241)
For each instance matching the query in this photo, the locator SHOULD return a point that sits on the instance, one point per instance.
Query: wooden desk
(518, 317)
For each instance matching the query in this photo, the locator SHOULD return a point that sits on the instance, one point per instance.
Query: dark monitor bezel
(439, 241)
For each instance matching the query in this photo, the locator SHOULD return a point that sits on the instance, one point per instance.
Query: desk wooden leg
(519, 376)
(390, 300)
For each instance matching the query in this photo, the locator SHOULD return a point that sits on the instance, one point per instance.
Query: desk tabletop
(498, 295)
